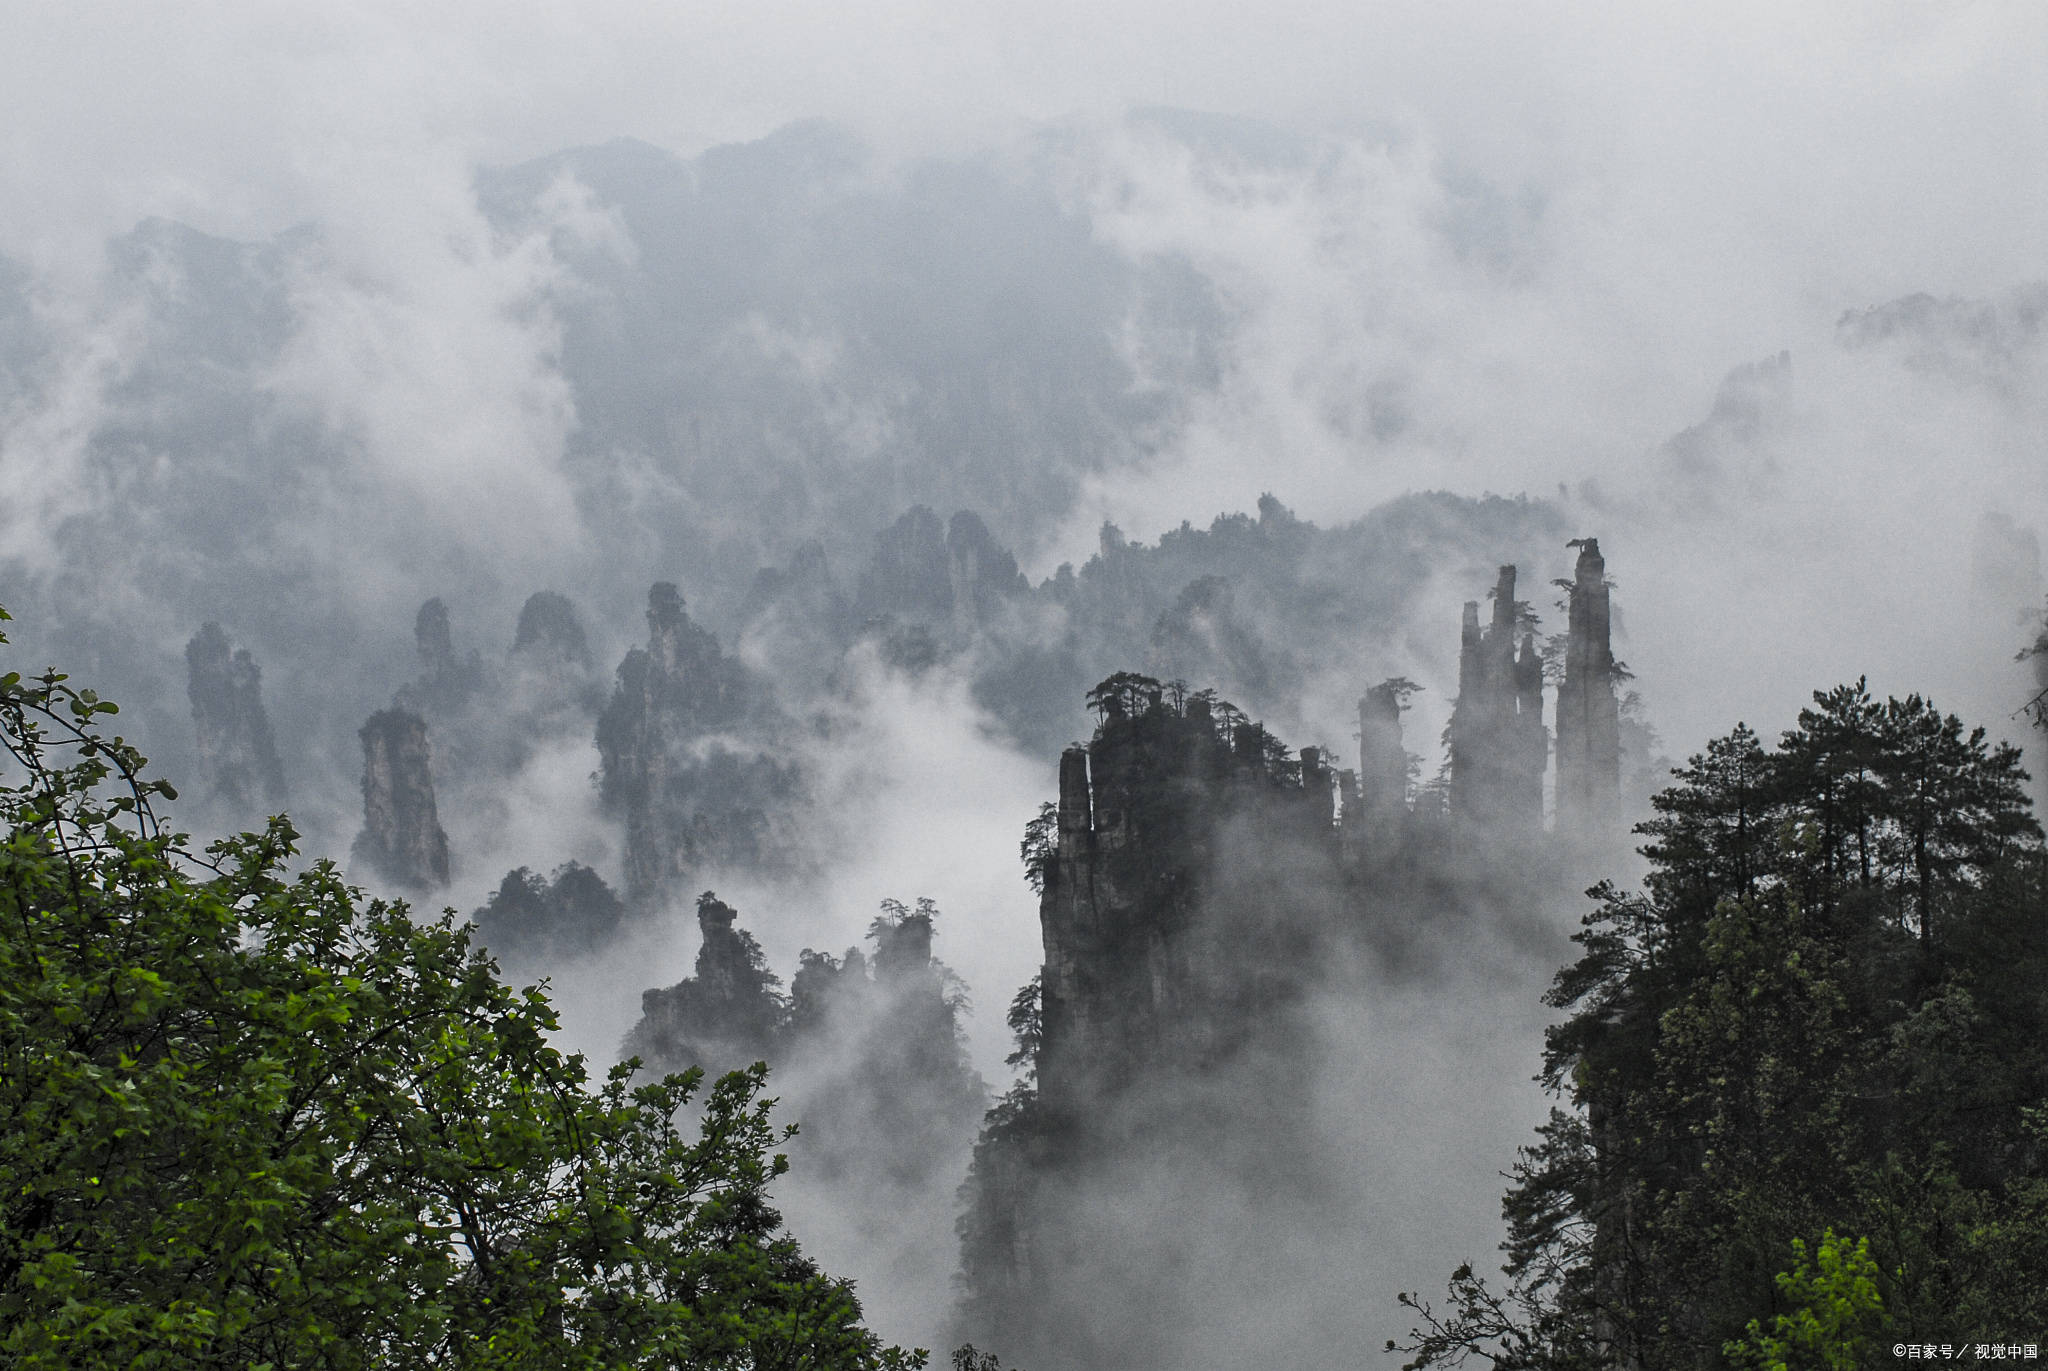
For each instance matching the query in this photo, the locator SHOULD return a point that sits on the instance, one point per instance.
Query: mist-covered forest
(1348, 695)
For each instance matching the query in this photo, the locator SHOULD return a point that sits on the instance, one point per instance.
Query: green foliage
(1013, 1146)
(250, 1120)
(1143, 716)
(896, 916)
(1041, 846)
(1822, 1013)
(1027, 1023)
(1125, 695)
(2036, 708)
(1833, 1316)
(1516, 1330)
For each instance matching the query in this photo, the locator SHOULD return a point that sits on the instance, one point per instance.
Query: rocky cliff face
(1499, 748)
(981, 575)
(727, 1015)
(1588, 714)
(796, 622)
(950, 579)
(401, 841)
(239, 770)
(549, 632)
(682, 760)
(909, 574)
(1206, 636)
(868, 1045)
(447, 681)
(1193, 875)
(1142, 971)
(1200, 883)
(877, 1059)
(1383, 762)
(1138, 971)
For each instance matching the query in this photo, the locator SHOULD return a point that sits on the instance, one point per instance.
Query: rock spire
(402, 840)
(1588, 715)
(238, 764)
(1499, 748)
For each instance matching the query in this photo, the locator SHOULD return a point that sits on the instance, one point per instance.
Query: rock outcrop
(549, 633)
(952, 580)
(1143, 966)
(401, 841)
(880, 1065)
(1384, 765)
(725, 1016)
(535, 920)
(801, 599)
(981, 574)
(1198, 884)
(447, 681)
(1588, 713)
(239, 771)
(680, 758)
(909, 574)
(1499, 747)
(869, 1045)
(1206, 636)
(1192, 874)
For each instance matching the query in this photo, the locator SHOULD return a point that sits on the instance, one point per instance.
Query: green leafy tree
(1834, 1318)
(1822, 1013)
(248, 1119)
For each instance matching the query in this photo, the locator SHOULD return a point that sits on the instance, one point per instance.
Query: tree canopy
(1822, 1015)
(249, 1118)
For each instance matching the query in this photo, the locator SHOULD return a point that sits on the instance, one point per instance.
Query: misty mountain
(807, 342)
(771, 344)
(769, 347)
(1989, 342)
(1218, 913)
(1260, 606)
(590, 529)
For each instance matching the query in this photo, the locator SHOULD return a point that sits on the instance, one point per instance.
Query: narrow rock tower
(402, 839)
(238, 763)
(549, 633)
(447, 682)
(1376, 798)
(1588, 716)
(1498, 744)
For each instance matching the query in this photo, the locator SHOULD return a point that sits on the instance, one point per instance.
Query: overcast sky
(1856, 148)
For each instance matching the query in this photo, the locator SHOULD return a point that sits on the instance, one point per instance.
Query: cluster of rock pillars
(1194, 874)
